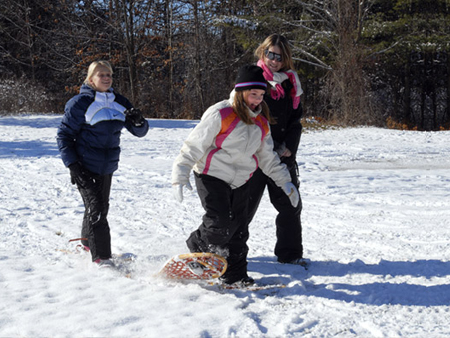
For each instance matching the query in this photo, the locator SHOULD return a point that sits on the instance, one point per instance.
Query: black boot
(242, 280)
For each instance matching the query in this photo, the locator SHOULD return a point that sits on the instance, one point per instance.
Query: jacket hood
(86, 89)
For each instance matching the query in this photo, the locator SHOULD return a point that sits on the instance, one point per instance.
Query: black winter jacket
(288, 127)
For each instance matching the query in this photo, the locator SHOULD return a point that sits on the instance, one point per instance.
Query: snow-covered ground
(375, 223)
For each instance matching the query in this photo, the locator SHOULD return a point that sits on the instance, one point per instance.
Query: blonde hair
(282, 43)
(93, 67)
(241, 109)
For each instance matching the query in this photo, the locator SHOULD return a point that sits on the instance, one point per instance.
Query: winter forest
(366, 62)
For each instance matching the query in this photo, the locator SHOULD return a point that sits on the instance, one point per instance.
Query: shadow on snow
(404, 291)
(53, 121)
(33, 121)
(36, 148)
(28, 149)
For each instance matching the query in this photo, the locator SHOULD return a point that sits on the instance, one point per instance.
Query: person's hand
(178, 190)
(76, 172)
(286, 153)
(134, 116)
(291, 191)
(283, 151)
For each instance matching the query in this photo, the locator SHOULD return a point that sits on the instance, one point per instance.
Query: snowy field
(375, 224)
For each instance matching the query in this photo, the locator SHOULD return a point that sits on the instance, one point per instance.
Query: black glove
(76, 172)
(134, 116)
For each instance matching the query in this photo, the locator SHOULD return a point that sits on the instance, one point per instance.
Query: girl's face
(253, 98)
(102, 79)
(274, 65)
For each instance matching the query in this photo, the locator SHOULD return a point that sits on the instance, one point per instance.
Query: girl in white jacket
(231, 141)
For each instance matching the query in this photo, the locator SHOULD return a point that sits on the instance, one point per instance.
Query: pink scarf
(276, 79)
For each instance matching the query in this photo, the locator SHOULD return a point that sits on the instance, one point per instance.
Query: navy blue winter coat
(91, 127)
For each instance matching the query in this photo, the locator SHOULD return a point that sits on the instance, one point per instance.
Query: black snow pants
(95, 191)
(224, 229)
(288, 224)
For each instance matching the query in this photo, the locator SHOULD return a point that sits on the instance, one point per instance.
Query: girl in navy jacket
(88, 139)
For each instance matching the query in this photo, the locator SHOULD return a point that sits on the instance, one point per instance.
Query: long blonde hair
(92, 68)
(281, 42)
(241, 109)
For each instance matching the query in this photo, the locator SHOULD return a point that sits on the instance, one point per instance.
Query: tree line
(372, 62)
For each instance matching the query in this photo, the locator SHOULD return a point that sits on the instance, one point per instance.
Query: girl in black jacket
(283, 99)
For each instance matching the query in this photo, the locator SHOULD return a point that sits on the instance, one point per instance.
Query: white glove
(178, 190)
(292, 192)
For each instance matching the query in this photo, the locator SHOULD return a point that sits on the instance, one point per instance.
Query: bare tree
(348, 87)
(337, 25)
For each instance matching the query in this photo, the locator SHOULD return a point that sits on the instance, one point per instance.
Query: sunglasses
(273, 56)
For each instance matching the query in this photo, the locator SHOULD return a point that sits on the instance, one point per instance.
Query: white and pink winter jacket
(223, 146)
